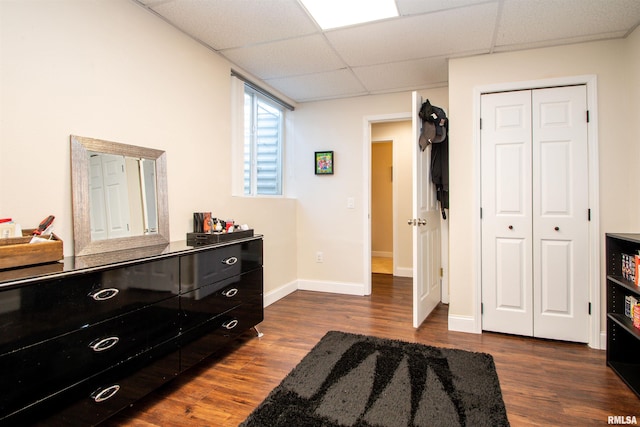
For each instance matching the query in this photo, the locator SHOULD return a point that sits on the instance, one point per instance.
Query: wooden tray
(18, 252)
(197, 239)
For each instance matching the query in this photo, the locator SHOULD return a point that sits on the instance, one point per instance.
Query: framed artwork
(324, 163)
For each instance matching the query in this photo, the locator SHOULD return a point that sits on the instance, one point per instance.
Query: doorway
(390, 197)
(382, 207)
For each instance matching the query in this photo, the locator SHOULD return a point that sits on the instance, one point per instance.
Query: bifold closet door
(507, 226)
(535, 213)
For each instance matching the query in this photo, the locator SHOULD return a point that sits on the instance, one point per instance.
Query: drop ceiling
(278, 42)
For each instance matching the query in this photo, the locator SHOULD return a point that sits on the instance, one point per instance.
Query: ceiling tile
(407, 75)
(333, 84)
(225, 24)
(413, 7)
(286, 58)
(421, 36)
(277, 41)
(524, 22)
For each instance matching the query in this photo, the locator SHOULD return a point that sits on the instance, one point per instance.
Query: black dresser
(84, 338)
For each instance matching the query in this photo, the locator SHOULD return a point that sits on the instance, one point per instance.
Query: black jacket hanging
(435, 131)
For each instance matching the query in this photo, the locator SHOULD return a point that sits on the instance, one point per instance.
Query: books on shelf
(636, 316)
(629, 303)
(628, 267)
(631, 268)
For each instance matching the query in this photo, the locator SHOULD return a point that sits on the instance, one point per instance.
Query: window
(263, 136)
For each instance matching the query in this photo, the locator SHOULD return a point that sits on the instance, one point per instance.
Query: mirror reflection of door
(149, 205)
(110, 216)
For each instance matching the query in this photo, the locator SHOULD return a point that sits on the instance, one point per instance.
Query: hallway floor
(381, 265)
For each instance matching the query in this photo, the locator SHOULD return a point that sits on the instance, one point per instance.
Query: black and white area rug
(363, 381)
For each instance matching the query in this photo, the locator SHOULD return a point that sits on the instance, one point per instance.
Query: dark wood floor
(544, 383)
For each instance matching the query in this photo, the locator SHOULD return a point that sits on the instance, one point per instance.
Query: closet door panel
(560, 214)
(506, 212)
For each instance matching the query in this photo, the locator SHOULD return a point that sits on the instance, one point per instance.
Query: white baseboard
(603, 340)
(333, 287)
(382, 254)
(312, 285)
(403, 272)
(279, 293)
(464, 324)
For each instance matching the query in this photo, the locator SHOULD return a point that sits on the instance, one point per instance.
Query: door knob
(511, 227)
(411, 221)
(556, 228)
(422, 221)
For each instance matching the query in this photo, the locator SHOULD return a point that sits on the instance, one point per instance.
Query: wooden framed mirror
(119, 196)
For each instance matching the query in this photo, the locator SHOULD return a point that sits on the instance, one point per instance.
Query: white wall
(324, 222)
(113, 71)
(615, 63)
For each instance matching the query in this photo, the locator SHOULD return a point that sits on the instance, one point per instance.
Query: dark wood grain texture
(544, 383)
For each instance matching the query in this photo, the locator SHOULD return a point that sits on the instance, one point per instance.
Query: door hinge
(480, 213)
(587, 116)
(589, 309)
(481, 308)
(588, 214)
(480, 123)
(441, 272)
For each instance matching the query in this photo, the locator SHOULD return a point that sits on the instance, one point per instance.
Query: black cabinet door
(35, 372)
(219, 263)
(206, 302)
(42, 310)
(95, 399)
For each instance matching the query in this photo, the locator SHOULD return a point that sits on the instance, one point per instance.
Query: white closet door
(506, 213)
(535, 213)
(560, 212)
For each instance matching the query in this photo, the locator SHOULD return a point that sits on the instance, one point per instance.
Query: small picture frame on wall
(324, 162)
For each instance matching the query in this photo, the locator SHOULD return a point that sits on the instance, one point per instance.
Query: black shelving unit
(623, 339)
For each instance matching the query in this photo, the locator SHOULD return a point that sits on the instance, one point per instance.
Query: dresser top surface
(72, 264)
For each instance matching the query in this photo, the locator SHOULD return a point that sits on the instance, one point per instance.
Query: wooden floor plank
(543, 382)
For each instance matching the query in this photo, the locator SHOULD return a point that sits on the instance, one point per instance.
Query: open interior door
(426, 227)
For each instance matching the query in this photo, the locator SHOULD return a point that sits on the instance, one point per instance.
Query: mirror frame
(83, 245)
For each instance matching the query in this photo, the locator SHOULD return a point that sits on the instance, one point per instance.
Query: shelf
(623, 339)
(629, 373)
(618, 280)
(625, 323)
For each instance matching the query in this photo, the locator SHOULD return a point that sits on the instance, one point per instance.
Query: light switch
(351, 203)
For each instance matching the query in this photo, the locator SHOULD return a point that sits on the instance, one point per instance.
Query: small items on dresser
(208, 229)
(22, 247)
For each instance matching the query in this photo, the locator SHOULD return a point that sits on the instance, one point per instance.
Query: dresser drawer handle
(230, 261)
(103, 344)
(107, 393)
(230, 292)
(230, 324)
(104, 294)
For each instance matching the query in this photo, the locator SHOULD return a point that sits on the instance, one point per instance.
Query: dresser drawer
(35, 372)
(99, 397)
(34, 312)
(200, 342)
(219, 263)
(206, 302)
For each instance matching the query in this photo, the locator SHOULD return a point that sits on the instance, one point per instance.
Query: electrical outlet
(319, 257)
